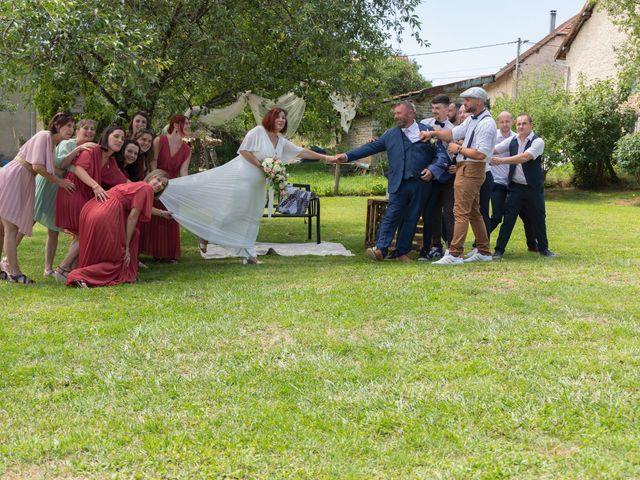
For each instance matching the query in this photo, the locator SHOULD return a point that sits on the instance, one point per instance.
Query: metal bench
(313, 210)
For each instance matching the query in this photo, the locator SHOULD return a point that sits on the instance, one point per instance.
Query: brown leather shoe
(404, 258)
(375, 254)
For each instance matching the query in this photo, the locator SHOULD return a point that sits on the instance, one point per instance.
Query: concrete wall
(592, 51)
(15, 128)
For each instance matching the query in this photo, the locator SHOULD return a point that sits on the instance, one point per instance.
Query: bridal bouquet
(276, 174)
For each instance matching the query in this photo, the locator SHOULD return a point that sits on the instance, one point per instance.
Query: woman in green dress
(45, 206)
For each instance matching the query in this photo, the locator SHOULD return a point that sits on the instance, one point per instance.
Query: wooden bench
(313, 210)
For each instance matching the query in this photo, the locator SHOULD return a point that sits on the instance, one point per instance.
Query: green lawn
(332, 368)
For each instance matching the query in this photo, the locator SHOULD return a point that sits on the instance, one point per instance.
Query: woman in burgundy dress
(160, 238)
(139, 120)
(130, 161)
(145, 137)
(94, 171)
(109, 233)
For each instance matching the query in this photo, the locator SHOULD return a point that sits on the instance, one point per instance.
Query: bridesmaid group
(103, 194)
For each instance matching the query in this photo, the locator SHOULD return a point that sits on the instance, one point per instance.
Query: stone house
(539, 59)
(589, 48)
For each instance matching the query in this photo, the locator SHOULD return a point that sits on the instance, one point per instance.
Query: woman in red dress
(109, 233)
(93, 171)
(130, 161)
(160, 238)
(145, 137)
(139, 120)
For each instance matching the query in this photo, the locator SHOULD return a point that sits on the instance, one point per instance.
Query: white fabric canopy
(289, 102)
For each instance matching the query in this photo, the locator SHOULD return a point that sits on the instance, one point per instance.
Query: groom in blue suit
(412, 167)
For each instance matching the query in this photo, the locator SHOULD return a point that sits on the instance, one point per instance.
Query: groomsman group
(447, 172)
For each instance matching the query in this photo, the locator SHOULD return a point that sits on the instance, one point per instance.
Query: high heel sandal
(21, 278)
(251, 261)
(60, 274)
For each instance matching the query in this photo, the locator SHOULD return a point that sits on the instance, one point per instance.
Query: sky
(472, 23)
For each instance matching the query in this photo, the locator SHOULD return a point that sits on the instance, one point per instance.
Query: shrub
(594, 126)
(544, 97)
(627, 154)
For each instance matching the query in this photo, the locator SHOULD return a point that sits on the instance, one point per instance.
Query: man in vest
(438, 208)
(412, 167)
(479, 134)
(525, 183)
(501, 183)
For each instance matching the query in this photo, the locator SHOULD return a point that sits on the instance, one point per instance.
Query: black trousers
(437, 216)
(518, 197)
(498, 203)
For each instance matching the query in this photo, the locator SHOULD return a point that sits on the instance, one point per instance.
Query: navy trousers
(520, 196)
(402, 214)
(498, 203)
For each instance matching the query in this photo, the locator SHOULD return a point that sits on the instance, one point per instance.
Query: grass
(336, 367)
(319, 176)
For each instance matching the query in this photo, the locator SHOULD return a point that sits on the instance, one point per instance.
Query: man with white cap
(479, 134)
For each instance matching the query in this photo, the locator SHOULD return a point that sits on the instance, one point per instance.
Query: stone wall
(15, 128)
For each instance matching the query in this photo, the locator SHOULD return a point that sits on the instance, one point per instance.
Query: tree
(597, 120)
(546, 99)
(372, 82)
(121, 55)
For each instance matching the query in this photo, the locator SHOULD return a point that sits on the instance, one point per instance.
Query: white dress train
(224, 205)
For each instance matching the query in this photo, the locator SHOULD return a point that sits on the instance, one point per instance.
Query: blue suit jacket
(425, 155)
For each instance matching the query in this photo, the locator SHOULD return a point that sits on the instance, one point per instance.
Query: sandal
(22, 278)
(60, 274)
(4, 275)
(251, 261)
(48, 273)
(202, 245)
(80, 284)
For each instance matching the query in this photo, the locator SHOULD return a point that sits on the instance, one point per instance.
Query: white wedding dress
(224, 205)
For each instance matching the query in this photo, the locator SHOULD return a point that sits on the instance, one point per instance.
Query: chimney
(552, 24)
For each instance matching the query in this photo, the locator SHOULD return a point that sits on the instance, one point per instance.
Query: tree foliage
(545, 98)
(121, 55)
(598, 118)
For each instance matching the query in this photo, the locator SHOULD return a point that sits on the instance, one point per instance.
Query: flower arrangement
(276, 173)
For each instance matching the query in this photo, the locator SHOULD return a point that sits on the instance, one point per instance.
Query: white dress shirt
(484, 138)
(536, 149)
(501, 172)
(412, 132)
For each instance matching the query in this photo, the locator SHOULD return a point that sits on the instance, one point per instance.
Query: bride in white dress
(224, 205)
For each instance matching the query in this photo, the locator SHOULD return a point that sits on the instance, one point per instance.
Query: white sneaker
(478, 257)
(449, 260)
(471, 253)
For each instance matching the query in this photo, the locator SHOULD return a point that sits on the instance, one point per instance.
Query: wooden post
(336, 183)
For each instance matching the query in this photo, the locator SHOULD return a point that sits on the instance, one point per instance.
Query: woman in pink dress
(18, 186)
(161, 236)
(94, 171)
(109, 233)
